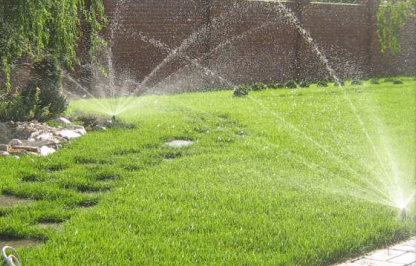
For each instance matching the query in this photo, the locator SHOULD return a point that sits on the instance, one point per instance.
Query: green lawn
(282, 177)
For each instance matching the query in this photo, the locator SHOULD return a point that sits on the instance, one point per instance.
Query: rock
(100, 128)
(4, 147)
(4, 153)
(45, 151)
(45, 136)
(16, 157)
(26, 148)
(15, 142)
(63, 120)
(80, 129)
(68, 134)
(179, 143)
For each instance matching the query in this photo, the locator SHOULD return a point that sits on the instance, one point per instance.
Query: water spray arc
(385, 190)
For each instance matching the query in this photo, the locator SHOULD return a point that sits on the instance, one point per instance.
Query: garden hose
(10, 256)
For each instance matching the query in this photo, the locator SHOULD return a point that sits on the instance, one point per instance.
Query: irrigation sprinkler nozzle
(404, 213)
(113, 118)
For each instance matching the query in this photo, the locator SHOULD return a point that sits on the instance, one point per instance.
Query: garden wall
(245, 41)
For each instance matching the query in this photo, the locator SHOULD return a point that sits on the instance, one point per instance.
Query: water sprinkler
(113, 118)
(404, 212)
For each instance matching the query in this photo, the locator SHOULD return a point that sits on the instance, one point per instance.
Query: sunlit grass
(282, 177)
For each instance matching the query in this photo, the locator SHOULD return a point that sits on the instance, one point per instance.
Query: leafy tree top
(47, 28)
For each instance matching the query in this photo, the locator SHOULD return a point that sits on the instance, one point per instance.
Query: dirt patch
(10, 201)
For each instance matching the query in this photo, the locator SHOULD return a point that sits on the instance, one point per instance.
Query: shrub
(304, 84)
(375, 81)
(241, 90)
(40, 100)
(322, 83)
(44, 90)
(258, 86)
(291, 84)
(356, 82)
(280, 85)
(272, 85)
(398, 81)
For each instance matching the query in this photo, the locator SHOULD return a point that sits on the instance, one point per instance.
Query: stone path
(403, 254)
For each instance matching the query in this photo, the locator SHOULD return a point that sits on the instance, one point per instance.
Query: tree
(39, 29)
(392, 17)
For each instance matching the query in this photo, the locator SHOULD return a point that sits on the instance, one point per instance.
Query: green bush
(258, 86)
(375, 81)
(304, 84)
(41, 100)
(322, 83)
(47, 82)
(241, 90)
(18, 108)
(291, 84)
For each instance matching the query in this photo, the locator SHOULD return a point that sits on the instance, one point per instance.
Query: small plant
(356, 82)
(241, 90)
(397, 81)
(291, 84)
(272, 85)
(322, 83)
(375, 81)
(304, 84)
(258, 86)
(280, 85)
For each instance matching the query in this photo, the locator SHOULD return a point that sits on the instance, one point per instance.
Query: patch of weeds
(291, 84)
(93, 121)
(397, 82)
(356, 82)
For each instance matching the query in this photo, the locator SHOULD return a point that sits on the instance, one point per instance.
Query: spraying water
(387, 190)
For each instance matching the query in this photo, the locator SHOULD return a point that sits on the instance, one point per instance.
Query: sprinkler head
(404, 213)
(114, 118)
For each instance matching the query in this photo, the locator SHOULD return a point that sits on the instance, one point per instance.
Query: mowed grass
(282, 177)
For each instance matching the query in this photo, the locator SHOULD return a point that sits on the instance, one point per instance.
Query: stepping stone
(54, 226)
(18, 242)
(10, 201)
(179, 143)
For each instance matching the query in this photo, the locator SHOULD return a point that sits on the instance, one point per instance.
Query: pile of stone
(36, 138)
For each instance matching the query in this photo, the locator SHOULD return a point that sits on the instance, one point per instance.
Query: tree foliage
(36, 29)
(392, 17)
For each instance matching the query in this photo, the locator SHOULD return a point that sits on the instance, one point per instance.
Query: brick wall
(245, 41)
